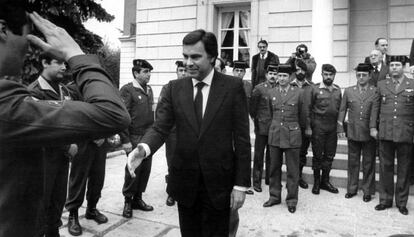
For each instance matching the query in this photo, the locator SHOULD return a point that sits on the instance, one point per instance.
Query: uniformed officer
(299, 79)
(171, 141)
(261, 114)
(395, 133)
(325, 102)
(358, 101)
(138, 98)
(288, 112)
(239, 70)
(56, 163)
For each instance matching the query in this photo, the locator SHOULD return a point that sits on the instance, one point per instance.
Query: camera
(300, 52)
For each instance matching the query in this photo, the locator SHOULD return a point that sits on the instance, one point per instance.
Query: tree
(70, 15)
(110, 60)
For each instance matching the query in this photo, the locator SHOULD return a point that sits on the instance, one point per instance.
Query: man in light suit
(379, 69)
(210, 169)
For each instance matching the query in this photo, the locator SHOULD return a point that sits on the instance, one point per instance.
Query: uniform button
(395, 102)
(362, 106)
(282, 110)
(395, 117)
(395, 110)
(395, 96)
(281, 123)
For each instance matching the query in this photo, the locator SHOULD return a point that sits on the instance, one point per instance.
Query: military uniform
(359, 104)
(396, 133)
(139, 103)
(261, 114)
(288, 116)
(56, 163)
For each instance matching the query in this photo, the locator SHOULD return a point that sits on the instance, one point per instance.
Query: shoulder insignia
(274, 98)
(139, 97)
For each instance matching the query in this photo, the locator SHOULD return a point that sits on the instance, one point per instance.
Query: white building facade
(340, 32)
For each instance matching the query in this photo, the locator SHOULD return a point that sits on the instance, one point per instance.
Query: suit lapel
(215, 98)
(187, 102)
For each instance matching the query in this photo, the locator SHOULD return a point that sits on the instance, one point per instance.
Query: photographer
(302, 53)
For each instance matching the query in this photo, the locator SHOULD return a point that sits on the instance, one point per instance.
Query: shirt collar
(363, 87)
(207, 80)
(296, 82)
(284, 89)
(44, 84)
(322, 85)
(136, 84)
(264, 56)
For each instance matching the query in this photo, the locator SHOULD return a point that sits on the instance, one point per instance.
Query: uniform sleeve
(304, 110)
(373, 121)
(254, 102)
(311, 65)
(28, 122)
(342, 111)
(127, 99)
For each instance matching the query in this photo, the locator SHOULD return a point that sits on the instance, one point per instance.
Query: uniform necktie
(198, 103)
(396, 84)
(363, 90)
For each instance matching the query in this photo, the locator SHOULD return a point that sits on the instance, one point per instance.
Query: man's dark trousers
(368, 149)
(304, 149)
(136, 186)
(260, 144)
(87, 166)
(324, 142)
(387, 159)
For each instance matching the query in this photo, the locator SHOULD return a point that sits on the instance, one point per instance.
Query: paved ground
(323, 215)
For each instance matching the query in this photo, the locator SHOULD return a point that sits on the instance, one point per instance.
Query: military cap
(328, 68)
(300, 63)
(398, 58)
(364, 67)
(284, 68)
(142, 63)
(240, 64)
(272, 67)
(179, 63)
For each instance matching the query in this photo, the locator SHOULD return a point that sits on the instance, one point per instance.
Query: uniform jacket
(288, 116)
(27, 124)
(260, 109)
(360, 111)
(139, 104)
(219, 151)
(271, 58)
(307, 89)
(395, 110)
(324, 106)
(387, 58)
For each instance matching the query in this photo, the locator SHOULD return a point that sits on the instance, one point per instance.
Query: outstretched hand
(58, 42)
(135, 159)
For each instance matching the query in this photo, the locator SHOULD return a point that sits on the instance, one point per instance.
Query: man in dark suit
(260, 62)
(288, 112)
(395, 113)
(379, 69)
(381, 44)
(359, 100)
(210, 169)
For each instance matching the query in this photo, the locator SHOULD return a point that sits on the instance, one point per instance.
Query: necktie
(363, 90)
(198, 103)
(376, 69)
(396, 84)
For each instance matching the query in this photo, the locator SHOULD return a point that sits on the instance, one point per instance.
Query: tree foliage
(70, 15)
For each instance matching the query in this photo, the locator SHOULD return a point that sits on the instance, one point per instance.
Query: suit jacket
(396, 111)
(271, 57)
(378, 76)
(288, 113)
(216, 155)
(387, 58)
(360, 107)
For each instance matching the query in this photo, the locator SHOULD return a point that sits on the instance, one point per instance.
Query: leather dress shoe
(328, 187)
(127, 212)
(74, 228)
(170, 201)
(139, 204)
(367, 198)
(303, 184)
(250, 192)
(270, 203)
(291, 209)
(381, 207)
(94, 214)
(257, 189)
(350, 195)
(403, 210)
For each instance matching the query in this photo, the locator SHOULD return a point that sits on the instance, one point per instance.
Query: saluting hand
(58, 42)
(135, 159)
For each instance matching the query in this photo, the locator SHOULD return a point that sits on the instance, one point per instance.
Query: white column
(322, 34)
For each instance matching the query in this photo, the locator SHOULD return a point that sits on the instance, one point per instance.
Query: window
(234, 31)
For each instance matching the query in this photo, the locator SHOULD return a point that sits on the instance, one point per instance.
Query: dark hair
(300, 63)
(14, 13)
(222, 63)
(328, 68)
(136, 69)
(45, 56)
(302, 46)
(207, 38)
(262, 41)
(378, 39)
